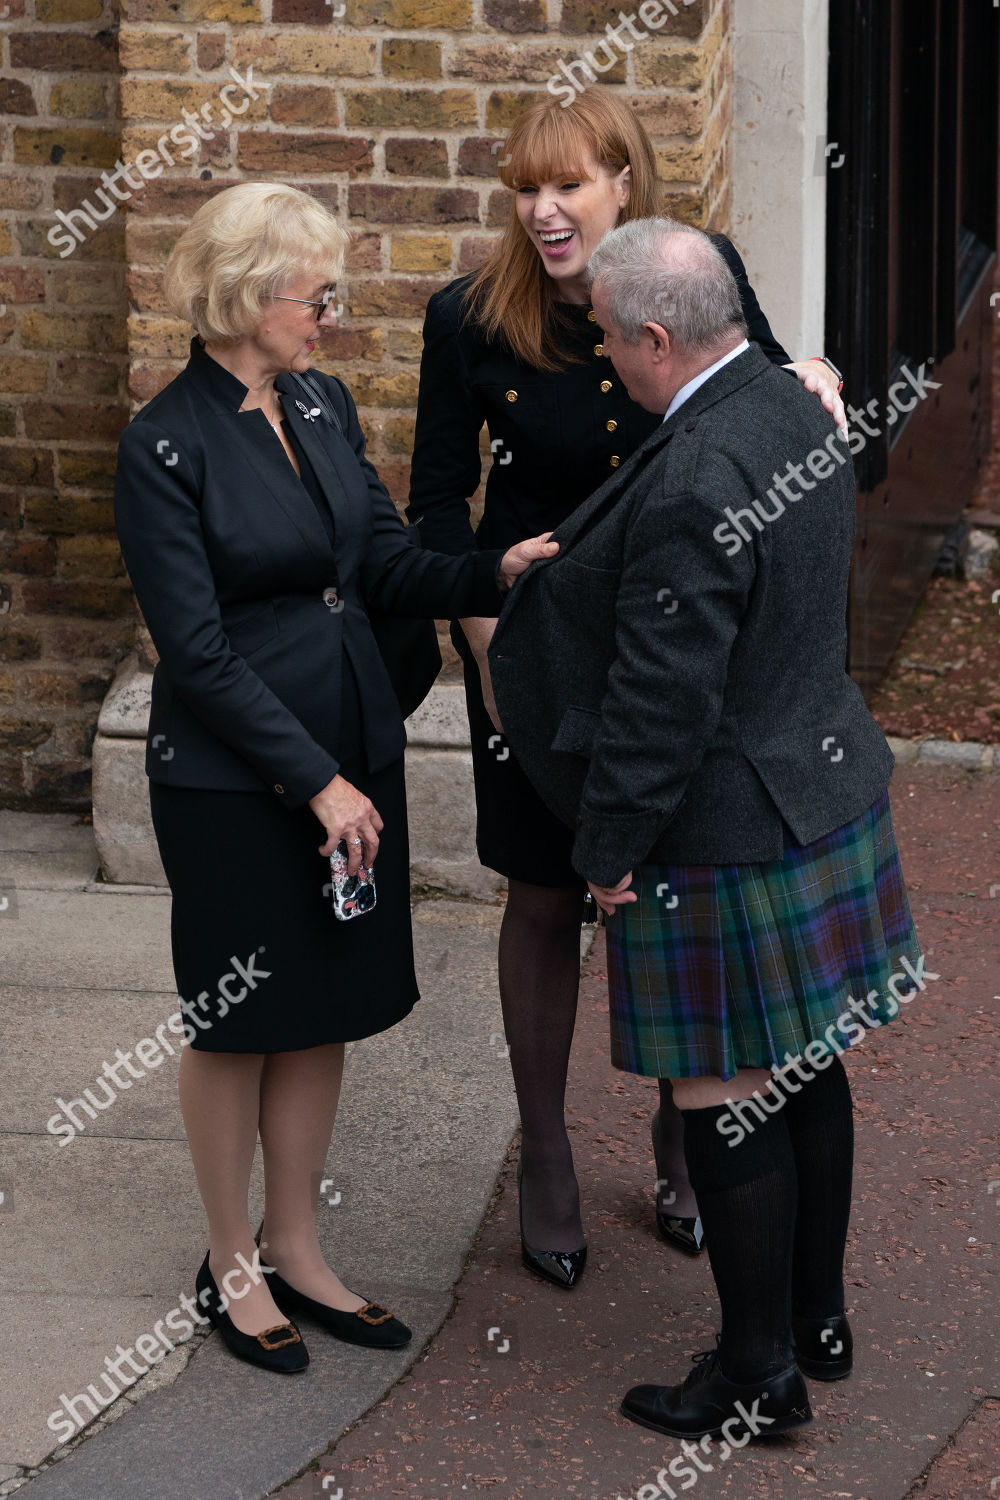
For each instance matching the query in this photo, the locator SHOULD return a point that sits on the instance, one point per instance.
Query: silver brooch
(308, 414)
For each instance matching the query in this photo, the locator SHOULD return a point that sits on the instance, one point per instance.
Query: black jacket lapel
(317, 436)
(272, 467)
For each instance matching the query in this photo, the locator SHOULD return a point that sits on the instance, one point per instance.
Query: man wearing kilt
(674, 684)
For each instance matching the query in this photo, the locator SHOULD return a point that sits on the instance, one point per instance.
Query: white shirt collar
(686, 391)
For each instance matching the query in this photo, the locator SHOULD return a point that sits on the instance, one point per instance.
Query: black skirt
(516, 834)
(260, 960)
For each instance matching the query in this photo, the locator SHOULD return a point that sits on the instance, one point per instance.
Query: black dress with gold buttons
(554, 438)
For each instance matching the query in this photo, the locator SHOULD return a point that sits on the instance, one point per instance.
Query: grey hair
(660, 271)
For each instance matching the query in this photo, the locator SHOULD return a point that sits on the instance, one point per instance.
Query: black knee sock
(821, 1126)
(747, 1199)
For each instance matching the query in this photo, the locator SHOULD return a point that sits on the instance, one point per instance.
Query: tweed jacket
(250, 605)
(674, 682)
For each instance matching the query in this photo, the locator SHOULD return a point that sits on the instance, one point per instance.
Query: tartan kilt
(721, 967)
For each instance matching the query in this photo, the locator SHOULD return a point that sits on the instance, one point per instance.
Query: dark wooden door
(912, 237)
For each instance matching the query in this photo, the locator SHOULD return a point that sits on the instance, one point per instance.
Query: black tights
(539, 963)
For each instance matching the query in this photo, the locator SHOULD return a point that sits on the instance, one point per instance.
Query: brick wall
(388, 112)
(67, 611)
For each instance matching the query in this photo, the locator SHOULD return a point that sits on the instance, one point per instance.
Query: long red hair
(513, 296)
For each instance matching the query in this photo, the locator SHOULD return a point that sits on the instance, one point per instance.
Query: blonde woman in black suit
(256, 534)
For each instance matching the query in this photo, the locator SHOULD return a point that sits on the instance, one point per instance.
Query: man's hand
(610, 898)
(348, 814)
(479, 632)
(518, 559)
(820, 379)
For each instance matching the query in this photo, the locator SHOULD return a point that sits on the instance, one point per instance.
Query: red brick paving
(914, 1421)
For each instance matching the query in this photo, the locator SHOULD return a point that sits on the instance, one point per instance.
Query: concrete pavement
(915, 1420)
(101, 1234)
(511, 1387)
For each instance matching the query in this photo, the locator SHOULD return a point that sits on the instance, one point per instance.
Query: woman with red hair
(516, 347)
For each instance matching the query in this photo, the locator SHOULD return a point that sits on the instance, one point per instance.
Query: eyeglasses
(321, 306)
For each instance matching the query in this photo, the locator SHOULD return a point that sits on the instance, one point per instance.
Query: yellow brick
(503, 107)
(405, 343)
(410, 15)
(690, 161)
(660, 64)
(421, 252)
(173, 11)
(396, 434)
(158, 338)
(4, 240)
(22, 374)
(41, 330)
(420, 109)
(149, 99)
(406, 58)
(90, 557)
(78, 99)
(166, 52)
(384, 390)
(330, 56)
(67, 10)
(66, 147)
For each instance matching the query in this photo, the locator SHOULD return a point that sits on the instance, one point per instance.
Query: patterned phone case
(352, 895)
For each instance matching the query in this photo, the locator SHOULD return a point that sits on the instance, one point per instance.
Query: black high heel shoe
(279, 1348)
(683, 1233)
(562, 1267)
(371, 1326)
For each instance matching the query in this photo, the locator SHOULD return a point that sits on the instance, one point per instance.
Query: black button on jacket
(550, 436)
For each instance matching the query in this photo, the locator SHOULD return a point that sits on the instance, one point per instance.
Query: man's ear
(661, 341)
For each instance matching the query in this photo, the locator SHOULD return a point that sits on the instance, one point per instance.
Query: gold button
(605, 386)
(279, 788)
(511, 395)
(612, 426)
(615, 460)
(598, 349)
(592, 316)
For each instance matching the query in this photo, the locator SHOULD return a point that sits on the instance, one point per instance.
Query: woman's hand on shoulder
(820, 379)
(348, 814)
(517, 560)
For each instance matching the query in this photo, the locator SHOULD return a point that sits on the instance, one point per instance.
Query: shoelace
(704, 1363)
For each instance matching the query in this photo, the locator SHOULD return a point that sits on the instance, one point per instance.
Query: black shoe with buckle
(279, 1348)
(371, 1325)
(824, 1348)
(709, 1405)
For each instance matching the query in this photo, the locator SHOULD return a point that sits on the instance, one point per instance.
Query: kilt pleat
(721, 967)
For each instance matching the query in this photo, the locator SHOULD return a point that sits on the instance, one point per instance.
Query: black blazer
(674, 689)
(249, 604)
(555, 437)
